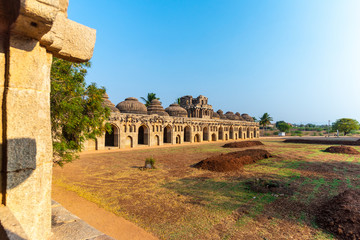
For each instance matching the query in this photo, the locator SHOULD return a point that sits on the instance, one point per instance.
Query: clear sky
(298, 60)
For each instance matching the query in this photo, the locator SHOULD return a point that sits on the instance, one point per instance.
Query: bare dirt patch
(243, 144)
(341, 215)
(324, 141)
(232, 161)
(342, 149)
(269, 186)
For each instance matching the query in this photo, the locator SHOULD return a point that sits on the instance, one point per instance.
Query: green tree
(265, 120)
(345, 125)
(178, 101)
(150, 97)
(283, 126)
(77, 110)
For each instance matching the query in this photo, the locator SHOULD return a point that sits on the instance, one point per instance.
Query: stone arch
(248, 133)
(226, 137)
(143, 135)
(236, 136)
(129, 142)
(240, 133)
(231, 133)
(167, 134)
(197, 128)
(205, 134)
(187, 134)
(255, 133)
(213, 137)
(197, 138)
(221, 133)
(178, 139)
(157, 140)
(112, 139)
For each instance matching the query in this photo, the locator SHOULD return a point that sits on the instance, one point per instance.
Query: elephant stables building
(135, 125)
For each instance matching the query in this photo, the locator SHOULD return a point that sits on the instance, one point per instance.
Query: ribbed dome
(239, 116)
(247, 117)
(156, 108)
(175, 110)
(215, 115)
(108, 103)
(230, 115)
(221, 114)
(132, 105)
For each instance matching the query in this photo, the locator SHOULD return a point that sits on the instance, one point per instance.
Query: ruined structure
(134, 125)
(31, 33)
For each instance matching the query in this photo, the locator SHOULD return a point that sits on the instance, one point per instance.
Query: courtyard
(177, 201)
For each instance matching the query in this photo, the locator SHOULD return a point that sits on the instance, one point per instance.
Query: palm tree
(265, 120)
(150, 97)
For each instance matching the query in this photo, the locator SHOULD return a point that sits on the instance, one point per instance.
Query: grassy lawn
(176, 201)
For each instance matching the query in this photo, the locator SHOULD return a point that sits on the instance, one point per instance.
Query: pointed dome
(176, 111)
(108, 103)
(132, 105)
(156, 108)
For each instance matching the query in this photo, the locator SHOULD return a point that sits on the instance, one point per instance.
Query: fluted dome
(156, 108)
(247, 117)
(230, 115)
(221, 114)
(239, 116)
(108, 103)
(132, 105)
(175, 110)
(215, 115)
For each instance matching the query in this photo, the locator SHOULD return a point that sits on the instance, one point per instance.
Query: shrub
(276, 133)
(267, 134)
(150, 162)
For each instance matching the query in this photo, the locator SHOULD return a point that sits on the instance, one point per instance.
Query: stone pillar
(31, 32)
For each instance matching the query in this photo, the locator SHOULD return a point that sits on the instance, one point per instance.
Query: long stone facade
(135, 126)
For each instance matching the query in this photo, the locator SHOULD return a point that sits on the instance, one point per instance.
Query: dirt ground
(177, 201)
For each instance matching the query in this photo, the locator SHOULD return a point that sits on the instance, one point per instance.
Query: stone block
(11, 228)
(59, 216)
(75, 230)
(28, 197)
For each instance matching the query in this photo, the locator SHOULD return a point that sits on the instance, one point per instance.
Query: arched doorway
(197, 138)
(178, 139)
(112, 139)
(167, 134)
(157, 140)
(187, 134)
(255, 133)
(226, 137)
(236, 136)
(205, 134)
(221, 133)
(248, 133)
(231, 133)
(213, 137)
(241, 133)
(143, 135)
(129, 142)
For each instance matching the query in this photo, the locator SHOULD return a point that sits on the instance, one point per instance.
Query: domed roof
(175, 110)
(156, 108)
(239, 116)
(221, 114)
(230, 115)
(246, 117)
(132, 105)
(108, 103)
(215, 115)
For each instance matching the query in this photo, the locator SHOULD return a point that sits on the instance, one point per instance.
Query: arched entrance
(255, 133)
(197, 138)
(112, 139)
(187, 134)
(143, 135)
(205, 134)
(178, 139)
(129, 142)
(167, 134)
(248, 133)
(231, 133)
(226, 137)
(221, 133)
(157, 140)
(236, 136)
(213, 137)
(241, 133)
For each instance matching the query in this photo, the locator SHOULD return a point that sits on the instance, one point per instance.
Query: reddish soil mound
(243, 144)
(341, 215)
(329, 142)
(342, 149)
(232, 161)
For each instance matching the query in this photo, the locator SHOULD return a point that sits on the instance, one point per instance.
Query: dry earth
(176, 201)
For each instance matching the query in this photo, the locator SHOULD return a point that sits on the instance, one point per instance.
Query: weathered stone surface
(28, 197)
(12, 227)
(102, 237)
(74, 230)
(70, 40)
(61, 216)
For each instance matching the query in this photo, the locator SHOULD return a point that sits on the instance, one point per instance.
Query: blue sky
(298, 60)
